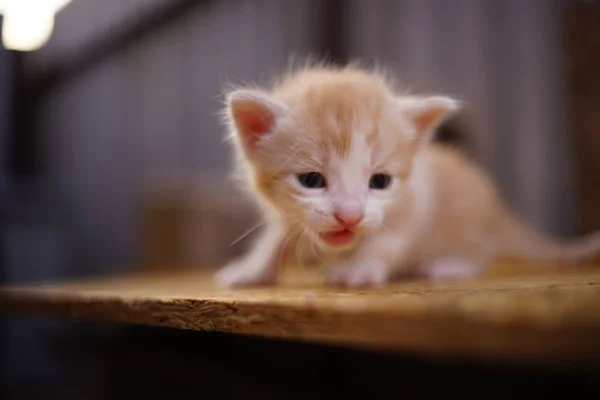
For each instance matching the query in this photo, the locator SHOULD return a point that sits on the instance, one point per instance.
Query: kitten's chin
(338, 239)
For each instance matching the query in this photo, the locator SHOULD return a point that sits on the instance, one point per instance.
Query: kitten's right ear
(427, 113)
(254, 114)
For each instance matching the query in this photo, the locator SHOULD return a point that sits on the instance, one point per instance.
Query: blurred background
(112, 157)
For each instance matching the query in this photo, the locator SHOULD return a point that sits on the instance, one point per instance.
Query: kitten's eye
(380, 181)
(312, 180)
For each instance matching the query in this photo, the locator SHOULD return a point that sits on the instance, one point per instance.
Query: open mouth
(338, 238)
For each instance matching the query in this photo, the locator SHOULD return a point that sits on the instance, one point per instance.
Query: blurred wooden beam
(118, 40)
(583, 76)
(331, 33)
(23, 155)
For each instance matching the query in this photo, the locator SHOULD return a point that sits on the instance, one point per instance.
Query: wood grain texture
(515, 312)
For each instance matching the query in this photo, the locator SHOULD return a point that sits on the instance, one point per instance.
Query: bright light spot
(28, 24)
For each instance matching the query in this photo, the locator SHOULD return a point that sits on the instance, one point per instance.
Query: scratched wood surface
(515, 311)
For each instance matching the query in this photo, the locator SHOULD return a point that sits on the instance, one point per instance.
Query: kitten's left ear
(254, 114)
(427, 113)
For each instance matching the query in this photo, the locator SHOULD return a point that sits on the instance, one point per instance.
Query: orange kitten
(343, 167)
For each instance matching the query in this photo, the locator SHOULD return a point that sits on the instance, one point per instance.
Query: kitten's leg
(453, 268)
(260, 265)
(375, 263)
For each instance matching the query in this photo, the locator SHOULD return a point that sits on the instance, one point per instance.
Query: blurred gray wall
(149, 114)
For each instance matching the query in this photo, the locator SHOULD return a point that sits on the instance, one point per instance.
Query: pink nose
(349, 219)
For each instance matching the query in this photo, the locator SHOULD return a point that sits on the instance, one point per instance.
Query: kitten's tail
(519, 241)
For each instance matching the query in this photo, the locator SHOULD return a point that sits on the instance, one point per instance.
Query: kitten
(344, 168)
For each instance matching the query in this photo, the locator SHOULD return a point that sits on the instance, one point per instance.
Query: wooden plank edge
(437, 336)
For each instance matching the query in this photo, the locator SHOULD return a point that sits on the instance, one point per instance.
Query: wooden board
(513, 312)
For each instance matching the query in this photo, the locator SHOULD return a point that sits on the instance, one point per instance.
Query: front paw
(358, 274)
(240, 273)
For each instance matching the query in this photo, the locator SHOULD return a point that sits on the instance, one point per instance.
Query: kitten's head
(332, 149)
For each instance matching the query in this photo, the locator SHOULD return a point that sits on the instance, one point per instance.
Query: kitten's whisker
(385, 226)
(249, 231)
(316, 251)
(285, 242)
(258, 225)
(298, 258)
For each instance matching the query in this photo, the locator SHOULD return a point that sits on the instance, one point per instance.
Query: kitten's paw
(238, 274)
(451, 269)
(359, 274)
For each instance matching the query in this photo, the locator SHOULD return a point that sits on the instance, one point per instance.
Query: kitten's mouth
(338, 238)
